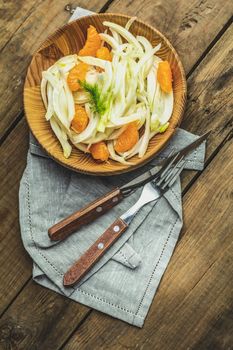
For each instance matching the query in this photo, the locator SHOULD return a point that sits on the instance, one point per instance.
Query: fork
(151, 191)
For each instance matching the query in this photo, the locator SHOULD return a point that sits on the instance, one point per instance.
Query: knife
(95, 209)
(151, 192)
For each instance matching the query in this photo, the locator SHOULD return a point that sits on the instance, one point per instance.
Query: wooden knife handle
(92, 211)
(80, 268)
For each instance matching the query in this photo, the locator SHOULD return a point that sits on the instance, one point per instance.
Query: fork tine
(166, 166)
(171, 172)
(168, 161)
(142, 180)
(171, 153)
(169, 182)
(166, 170)
(177, 174)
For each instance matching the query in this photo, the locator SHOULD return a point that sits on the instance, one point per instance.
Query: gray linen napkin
(123, 283)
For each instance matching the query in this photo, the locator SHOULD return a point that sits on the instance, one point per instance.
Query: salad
(111, 97)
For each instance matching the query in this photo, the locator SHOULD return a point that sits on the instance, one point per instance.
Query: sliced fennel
(124, 33)
(116, 36)
(113, 42)
(114, 94)
(62, 139)
(146, 137)
(115, 156)
(161, 110)
(81, 97)
(43, 85)
(50, 110)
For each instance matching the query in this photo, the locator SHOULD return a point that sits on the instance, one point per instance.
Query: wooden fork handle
(92, 211)
(80, 268)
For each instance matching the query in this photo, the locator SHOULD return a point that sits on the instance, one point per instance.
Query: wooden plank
(189, 25)
(19, 283)
(15, 264)
(13, 14)
(47, 311)
(197, 287)
(209, 104)
(15, 57)
(216, 120)
(221, 337)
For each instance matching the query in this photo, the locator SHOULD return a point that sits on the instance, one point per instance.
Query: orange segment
(127, 139)
(77, 73)
(104, 54)
(164, 76)
(80, 120)
(99, 151)
(92, 44)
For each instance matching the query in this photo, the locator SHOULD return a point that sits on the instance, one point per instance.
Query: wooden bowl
(69, 40)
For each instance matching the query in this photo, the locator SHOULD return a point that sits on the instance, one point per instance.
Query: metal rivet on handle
(115, 199)
(100, 246)
(116, 228)
(99, 209)
(69, 8)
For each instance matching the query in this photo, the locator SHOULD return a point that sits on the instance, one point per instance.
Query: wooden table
(193, 306)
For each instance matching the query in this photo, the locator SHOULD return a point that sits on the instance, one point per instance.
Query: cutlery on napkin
(156, 183)
(93, 210)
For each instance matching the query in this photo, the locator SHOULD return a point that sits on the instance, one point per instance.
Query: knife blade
(150, 174)
(95, 209)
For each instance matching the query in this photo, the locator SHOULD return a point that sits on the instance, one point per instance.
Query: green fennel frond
(98, 102)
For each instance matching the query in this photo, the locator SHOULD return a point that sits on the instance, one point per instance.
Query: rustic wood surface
(193, 307)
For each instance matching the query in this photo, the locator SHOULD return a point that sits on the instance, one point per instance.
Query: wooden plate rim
(145, 159)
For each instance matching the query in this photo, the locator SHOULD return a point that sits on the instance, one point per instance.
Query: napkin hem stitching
(175, 195)
(30, 227)
(186, 160)
(157, 264)
(83, 292)
(107, 302)
(56, 270)
(124, 257)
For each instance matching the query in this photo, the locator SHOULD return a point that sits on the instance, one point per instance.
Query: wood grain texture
(15, 57)
(197, 286)
(69, 40)
(217, 59)
(15, 264)
(189, 25)
(12, 16)
(209, 104)
(83, 265)
(91, 212)
(47, 310)
(24, 316)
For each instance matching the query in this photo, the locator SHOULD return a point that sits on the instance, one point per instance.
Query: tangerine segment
(80, 120)
(92, 44)
(164, 76)
(99, 151)
(104, 54)
(127, 139)
(75, 74)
